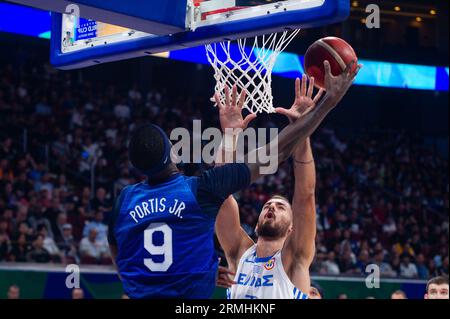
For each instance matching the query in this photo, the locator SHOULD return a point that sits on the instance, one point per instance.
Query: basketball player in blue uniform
(277, 265)
(161, 232)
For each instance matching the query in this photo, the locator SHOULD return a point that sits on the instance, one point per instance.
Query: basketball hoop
(249, 68)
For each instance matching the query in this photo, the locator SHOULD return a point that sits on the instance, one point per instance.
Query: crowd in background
(382, 197)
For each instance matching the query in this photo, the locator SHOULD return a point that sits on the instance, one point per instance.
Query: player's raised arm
(280, 149)
(232, 237)
(298, 251)
(305, 125)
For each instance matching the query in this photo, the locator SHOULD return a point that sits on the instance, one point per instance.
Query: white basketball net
(250, 69)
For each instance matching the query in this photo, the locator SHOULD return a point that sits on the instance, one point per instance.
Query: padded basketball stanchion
(249, 68)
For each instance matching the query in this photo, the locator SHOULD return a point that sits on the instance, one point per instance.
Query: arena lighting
(290, 65)
(355, 4)
(433, 12)
(397, 8)
(418, 19)
(374, 73)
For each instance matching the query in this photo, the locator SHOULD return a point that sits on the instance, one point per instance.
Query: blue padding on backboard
(160, 17)
(330, 12)
(167, 12)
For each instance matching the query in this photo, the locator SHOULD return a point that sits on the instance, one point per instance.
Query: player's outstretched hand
(224, 279)
(231, 112)
(337, 86)
(304, 100)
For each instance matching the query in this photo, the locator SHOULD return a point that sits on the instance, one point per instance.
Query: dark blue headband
(165, 160)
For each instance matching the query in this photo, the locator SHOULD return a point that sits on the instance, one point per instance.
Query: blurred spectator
(317, 265)
(49, 244)
(443, 270)
(77, 293)
(248, 225)
(67, 245)
(342, 296)
(20, 249)
(347, 262)
(38, 218)
(93, 250)
(407, 268)
(5, 242)
(21, 225)
(100, 202)
(13, 292)
(422, 270)
(385, 268)
(363, 260)
(134, 94)
(6, 149)
(395, 263)
(398, 294)
(122, 110)
(42, 108)
(330, 265)
(97, 224)
(61, 220)
(39, 254)
(389, 227)
(316, 291)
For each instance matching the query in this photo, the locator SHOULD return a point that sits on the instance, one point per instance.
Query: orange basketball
(338, 52)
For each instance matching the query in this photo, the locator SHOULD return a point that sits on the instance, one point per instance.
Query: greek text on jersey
(157, 205)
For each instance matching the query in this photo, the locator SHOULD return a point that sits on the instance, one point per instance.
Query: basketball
(338, 52)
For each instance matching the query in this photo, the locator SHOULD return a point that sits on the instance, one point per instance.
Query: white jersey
(262, 278)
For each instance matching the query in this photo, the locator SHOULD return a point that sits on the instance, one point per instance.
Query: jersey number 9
(165, 249)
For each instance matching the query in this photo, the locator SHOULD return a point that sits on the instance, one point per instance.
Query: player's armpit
(299, 275)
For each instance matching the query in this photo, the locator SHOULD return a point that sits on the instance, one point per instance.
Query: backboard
(78, 41)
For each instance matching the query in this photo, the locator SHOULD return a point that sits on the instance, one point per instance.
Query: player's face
(437, 292)
(397, 296)
(275, 220)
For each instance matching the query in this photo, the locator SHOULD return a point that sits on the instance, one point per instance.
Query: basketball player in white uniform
(277, 265)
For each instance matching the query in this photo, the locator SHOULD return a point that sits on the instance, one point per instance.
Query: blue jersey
(164, 233)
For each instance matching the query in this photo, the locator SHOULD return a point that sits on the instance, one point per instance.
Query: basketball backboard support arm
(247, 22)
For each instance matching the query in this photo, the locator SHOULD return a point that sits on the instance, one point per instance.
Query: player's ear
(291, 228)
(425, 296)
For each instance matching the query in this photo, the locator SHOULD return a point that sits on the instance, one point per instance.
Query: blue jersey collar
(167, 181)
(262, 259)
